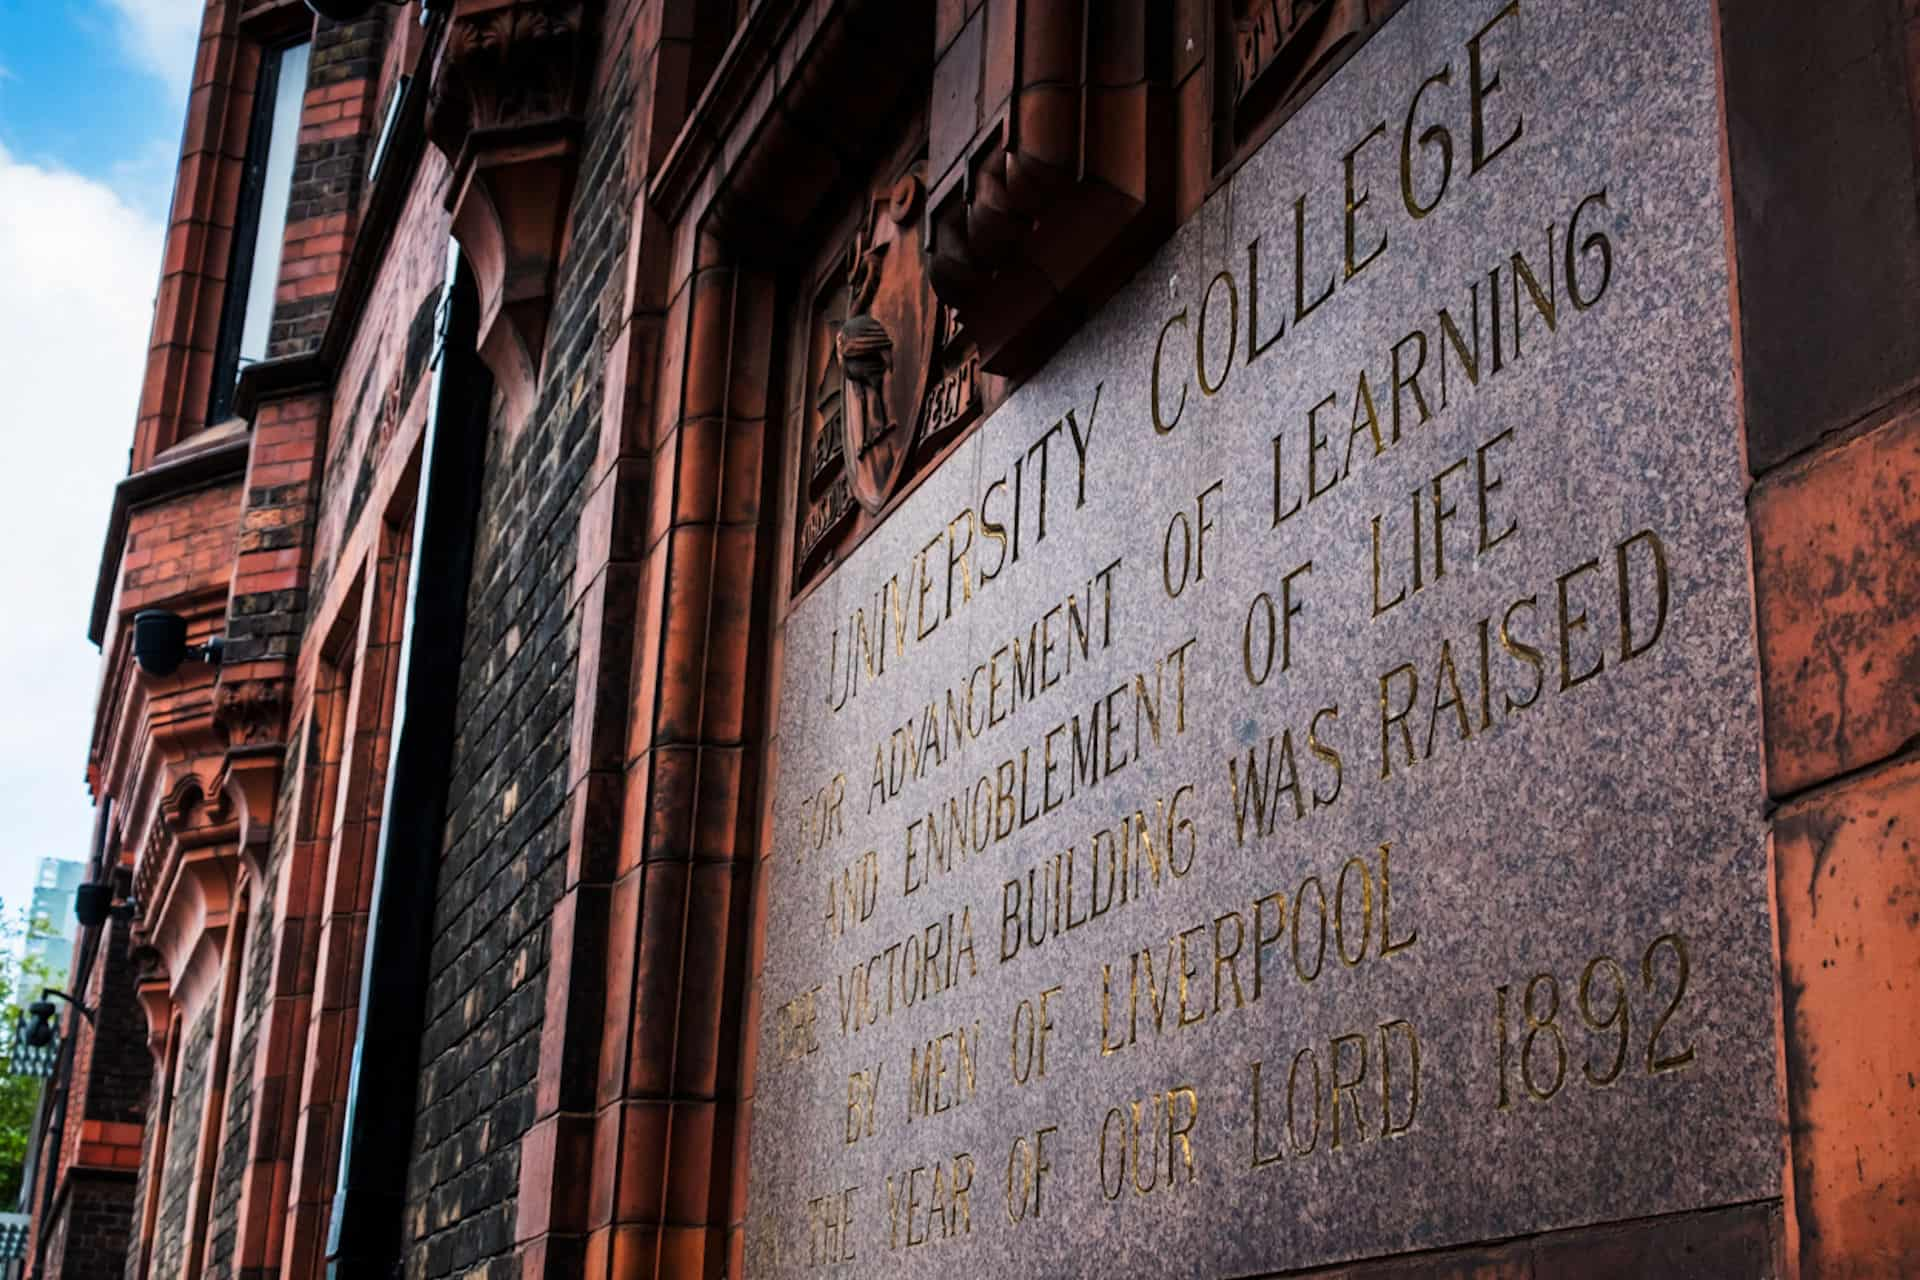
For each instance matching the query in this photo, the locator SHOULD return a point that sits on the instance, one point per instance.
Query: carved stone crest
(885, 345)
(1279, 44)
(892, 377)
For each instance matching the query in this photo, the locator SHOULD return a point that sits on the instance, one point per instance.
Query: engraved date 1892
(1531, 1032)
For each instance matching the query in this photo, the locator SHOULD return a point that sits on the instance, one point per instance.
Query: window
(386, 125)
(261, 222)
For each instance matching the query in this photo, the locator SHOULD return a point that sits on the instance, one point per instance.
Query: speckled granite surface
(1533, 887)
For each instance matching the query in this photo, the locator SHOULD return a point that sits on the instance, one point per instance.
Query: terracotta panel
(1837, 579)
(1827, 231)
(594, 828)
(956, 99)
(644, 714)
(668, 816)
(709, 348)
(575, 999)
(623, 944)
(640, 1127)
(555, 1160)
(683, 660)
(1848, 866)
(695, 1131)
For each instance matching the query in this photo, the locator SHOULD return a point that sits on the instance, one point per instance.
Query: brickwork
(507, 827)
(585, 1085)
(101, 1140)
(253, 1183)
(144, 1190)
(183, 1140)
(91, 1239)
(80, 1139)
(229, 1180)
(269, 599)
(338, 125)
(176, 548)
(175, 395)
(119, 1066)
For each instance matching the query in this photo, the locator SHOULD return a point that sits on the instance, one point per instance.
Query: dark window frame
(246, 230)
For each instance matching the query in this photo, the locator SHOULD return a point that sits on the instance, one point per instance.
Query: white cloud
(78, 269)
(145, 173)
(161, 35)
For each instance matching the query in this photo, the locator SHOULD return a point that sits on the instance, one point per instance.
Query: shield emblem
(885, 345)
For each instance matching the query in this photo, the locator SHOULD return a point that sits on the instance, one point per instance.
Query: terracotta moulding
(505, 107)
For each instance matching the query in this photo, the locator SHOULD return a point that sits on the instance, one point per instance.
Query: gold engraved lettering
(1355, 202)
(821, 819)
(1211, 387)
(1193, 534)
(853, 893)
(1434, 138)
(1602, 998)
(1032, 1026)
(863, 1102)
(912, 610)
(1027, 1168)
(830, 1228)
(1077, 885)
(1147, 1143)
(942, 1074)
(1482, 85)
(929, 1204)
(1460, 682)
(1164, 425)
(1332, 1088)
(797, 1026)
(921, 966)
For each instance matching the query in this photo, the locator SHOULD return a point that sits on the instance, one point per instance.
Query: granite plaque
(1288, 788)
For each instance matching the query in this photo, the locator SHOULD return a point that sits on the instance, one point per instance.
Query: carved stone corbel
(185, 883)
(155, 994)
(252, 711)
(1050, 163)
(505, 107)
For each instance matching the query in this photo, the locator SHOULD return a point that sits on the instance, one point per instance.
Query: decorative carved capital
(505, 107)
(507, 65)
(253, 712)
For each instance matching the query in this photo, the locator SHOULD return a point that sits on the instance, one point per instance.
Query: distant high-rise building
(51, 925)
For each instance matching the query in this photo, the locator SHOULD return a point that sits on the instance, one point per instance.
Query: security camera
(93, 905)
(160, 643)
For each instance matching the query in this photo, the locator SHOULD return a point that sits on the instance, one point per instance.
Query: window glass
(276, 185)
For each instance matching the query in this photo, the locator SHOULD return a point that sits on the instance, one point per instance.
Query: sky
(92, 100)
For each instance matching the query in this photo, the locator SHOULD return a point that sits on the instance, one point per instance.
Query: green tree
(21, 980)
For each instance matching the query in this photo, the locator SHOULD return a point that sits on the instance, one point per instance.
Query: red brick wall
(580, 665)
(1830, 293)
(338, 126)
(505, 863)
